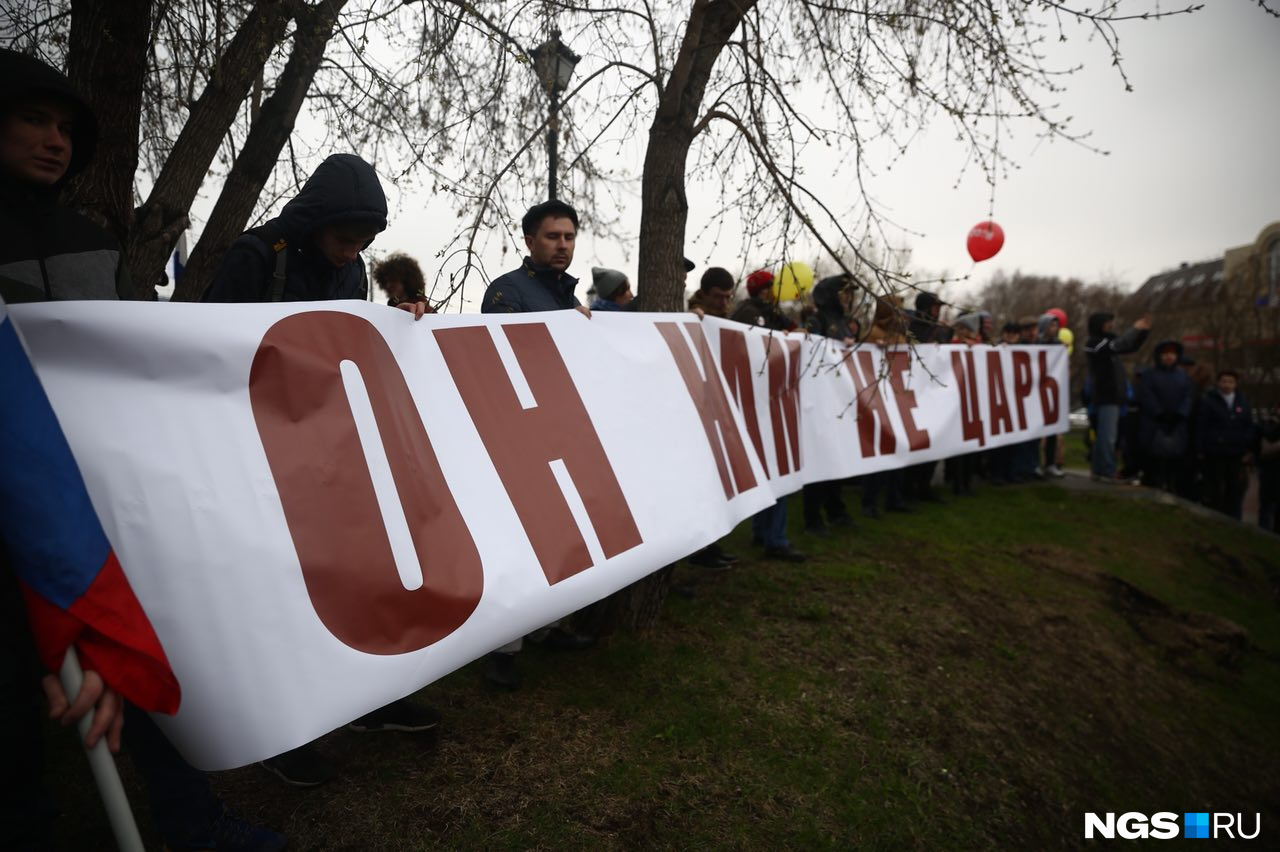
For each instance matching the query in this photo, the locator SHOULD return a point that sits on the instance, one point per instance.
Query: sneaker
(229, 832)
(704, 558)
(301, 767)
(1055, 471)
(784, 554)
(560, 639)
(502, 671)
(399, 715)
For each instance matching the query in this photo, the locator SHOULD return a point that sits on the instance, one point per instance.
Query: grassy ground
(974, 675)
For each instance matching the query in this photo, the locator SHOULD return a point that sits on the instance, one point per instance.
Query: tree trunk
(663, 218)
(163, 216)
(107, 63)
(271, 129)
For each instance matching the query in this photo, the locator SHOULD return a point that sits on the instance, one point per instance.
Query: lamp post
(553, 62)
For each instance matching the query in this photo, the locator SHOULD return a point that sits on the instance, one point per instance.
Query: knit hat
(759, 280)
(608, 282)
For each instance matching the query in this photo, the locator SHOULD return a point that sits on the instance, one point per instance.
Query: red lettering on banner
(1001, 419)
(708, 398)
(870, 406)
(736, 366)
(899, 367)
(309, 434)
(1021, 384)
(522, 442)
(784, 400)
(967, 383)
(1049, 398)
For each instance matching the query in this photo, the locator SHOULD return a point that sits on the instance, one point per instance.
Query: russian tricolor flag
(75, 590)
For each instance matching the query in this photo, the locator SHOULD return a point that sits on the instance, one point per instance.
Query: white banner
(324, 508)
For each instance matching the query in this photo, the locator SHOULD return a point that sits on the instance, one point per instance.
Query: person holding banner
(542, 283)
(48, 252)
(760, 308)
(832, 299)
(311, 252)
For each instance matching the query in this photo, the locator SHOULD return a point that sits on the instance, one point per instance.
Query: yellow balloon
(794, 280)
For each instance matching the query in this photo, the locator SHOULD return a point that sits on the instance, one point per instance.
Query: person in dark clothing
(924, 324)
(1104, 349)
(48, 253)
(761, 305)
(542, 282)
(1226, 437)
(311, 252)
(613, 290)
(714, 293)
(400, 277)
(768, 526)
(1269, 474)
(1164, 402)
(832, 298)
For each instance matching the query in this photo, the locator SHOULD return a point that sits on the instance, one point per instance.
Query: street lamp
(553, 62)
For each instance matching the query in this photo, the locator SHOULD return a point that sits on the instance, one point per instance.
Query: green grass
(975, 675)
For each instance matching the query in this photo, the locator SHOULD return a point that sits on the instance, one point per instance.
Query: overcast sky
(1193, 168)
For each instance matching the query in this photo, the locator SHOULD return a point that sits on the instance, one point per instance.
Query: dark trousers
(822, 497)
(27, 810)
(1224, 484)
(769, 526)
(887, 482)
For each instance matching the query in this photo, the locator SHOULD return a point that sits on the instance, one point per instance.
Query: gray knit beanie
(607, 281)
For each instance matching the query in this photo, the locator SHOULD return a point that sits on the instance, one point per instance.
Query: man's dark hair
(1228, 372)
(716, 278)
(552, 209)
(400, 267)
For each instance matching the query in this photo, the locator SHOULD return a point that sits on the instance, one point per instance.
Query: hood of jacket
(826, 294)
(1097, 321)
(1163, 344)
(343, 189)
(925, 302)
(25, 76)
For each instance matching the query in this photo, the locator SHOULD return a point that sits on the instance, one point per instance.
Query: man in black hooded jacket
(51, 253)
(831, 297)
(311, 251)
(1104, 349)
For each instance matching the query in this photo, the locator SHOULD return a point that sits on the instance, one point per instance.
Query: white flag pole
(103, 765)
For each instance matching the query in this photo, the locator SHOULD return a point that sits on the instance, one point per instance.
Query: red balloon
(985, 241)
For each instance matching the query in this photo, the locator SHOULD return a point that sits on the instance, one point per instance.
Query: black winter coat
(1225, 432)
(343, 189)
(1104, 350)
(1164, 398)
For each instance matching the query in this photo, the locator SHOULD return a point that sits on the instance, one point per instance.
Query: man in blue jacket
(542, 283)
(1225, 436)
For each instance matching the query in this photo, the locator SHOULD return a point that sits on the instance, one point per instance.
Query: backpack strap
(277, 244)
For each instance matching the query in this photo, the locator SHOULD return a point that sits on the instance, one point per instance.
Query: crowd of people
(312, 252)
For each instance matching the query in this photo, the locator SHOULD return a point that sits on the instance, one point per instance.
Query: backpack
(276, 244)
